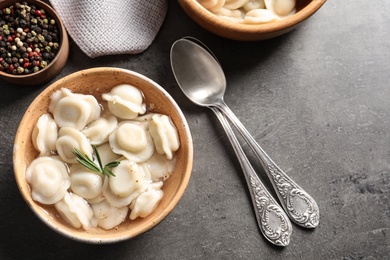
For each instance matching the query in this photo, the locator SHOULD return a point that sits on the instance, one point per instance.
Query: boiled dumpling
(132, 140)
(125, 101)
(164, 134)
(99, 130)
(229, 14)
(144, 119)
(258, 16)
(108, 216)
(129, 182)
(75, 210)
(212, 5)
(282, 8)
(84, 182)
(234, 4)
(73, 110)
(45, 135)
(145, 203)
(69, 139)
(48, 178)
(159, 167)
(254, 4)
(106, 154)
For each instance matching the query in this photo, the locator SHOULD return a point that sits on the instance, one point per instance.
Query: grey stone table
(316, 99)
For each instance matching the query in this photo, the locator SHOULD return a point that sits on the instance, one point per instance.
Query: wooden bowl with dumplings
(92, 84)
(250, 20)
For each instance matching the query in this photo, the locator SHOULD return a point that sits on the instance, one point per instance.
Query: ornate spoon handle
(298, 204)
(272, 220)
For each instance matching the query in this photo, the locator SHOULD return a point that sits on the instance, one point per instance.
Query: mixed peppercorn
(29, 39)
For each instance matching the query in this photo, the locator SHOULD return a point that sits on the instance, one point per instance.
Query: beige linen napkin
(108, 27)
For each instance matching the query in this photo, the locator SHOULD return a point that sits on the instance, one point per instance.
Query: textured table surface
(316, 99)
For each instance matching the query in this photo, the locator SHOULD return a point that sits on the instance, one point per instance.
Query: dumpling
(229, 14)
(129, 182)
(69, 139)
(45, 135)
(144, 118)
(99, 130)
(147, 202)
(258, 16)
(97, 199)
(254, 4)
(234, 4)
(48, 178)
(125, 101)
(159, 167)
(164, 134)
(73, 110)
(132, 140)
(282, 8)
(212, 5)
(106, 154)
(75, 210)
(84, 182)
(108, 216)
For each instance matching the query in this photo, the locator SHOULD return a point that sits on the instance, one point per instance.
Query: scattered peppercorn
(29, 39)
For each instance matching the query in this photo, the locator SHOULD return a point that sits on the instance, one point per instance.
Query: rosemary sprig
(88, 163)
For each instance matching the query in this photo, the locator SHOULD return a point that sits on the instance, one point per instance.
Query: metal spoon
(202, 80)
(272, 220)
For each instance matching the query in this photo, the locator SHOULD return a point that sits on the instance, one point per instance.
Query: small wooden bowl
(249, 32)
(55, 65)
(97, 81)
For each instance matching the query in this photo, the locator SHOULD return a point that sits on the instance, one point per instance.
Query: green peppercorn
(43, 64)
(41, 38)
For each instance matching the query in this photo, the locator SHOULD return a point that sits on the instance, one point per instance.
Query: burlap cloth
(108, 27)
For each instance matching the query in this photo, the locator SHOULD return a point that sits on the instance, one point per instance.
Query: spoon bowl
(203, 85)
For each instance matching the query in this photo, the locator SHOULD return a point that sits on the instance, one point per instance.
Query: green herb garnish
(88, 163)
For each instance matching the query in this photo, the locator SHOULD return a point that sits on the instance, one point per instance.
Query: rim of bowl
(26, 194)
(63, 37)
(211, 18)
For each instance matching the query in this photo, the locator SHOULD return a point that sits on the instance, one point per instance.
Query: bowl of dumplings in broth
(250, 20)
(103, 155)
